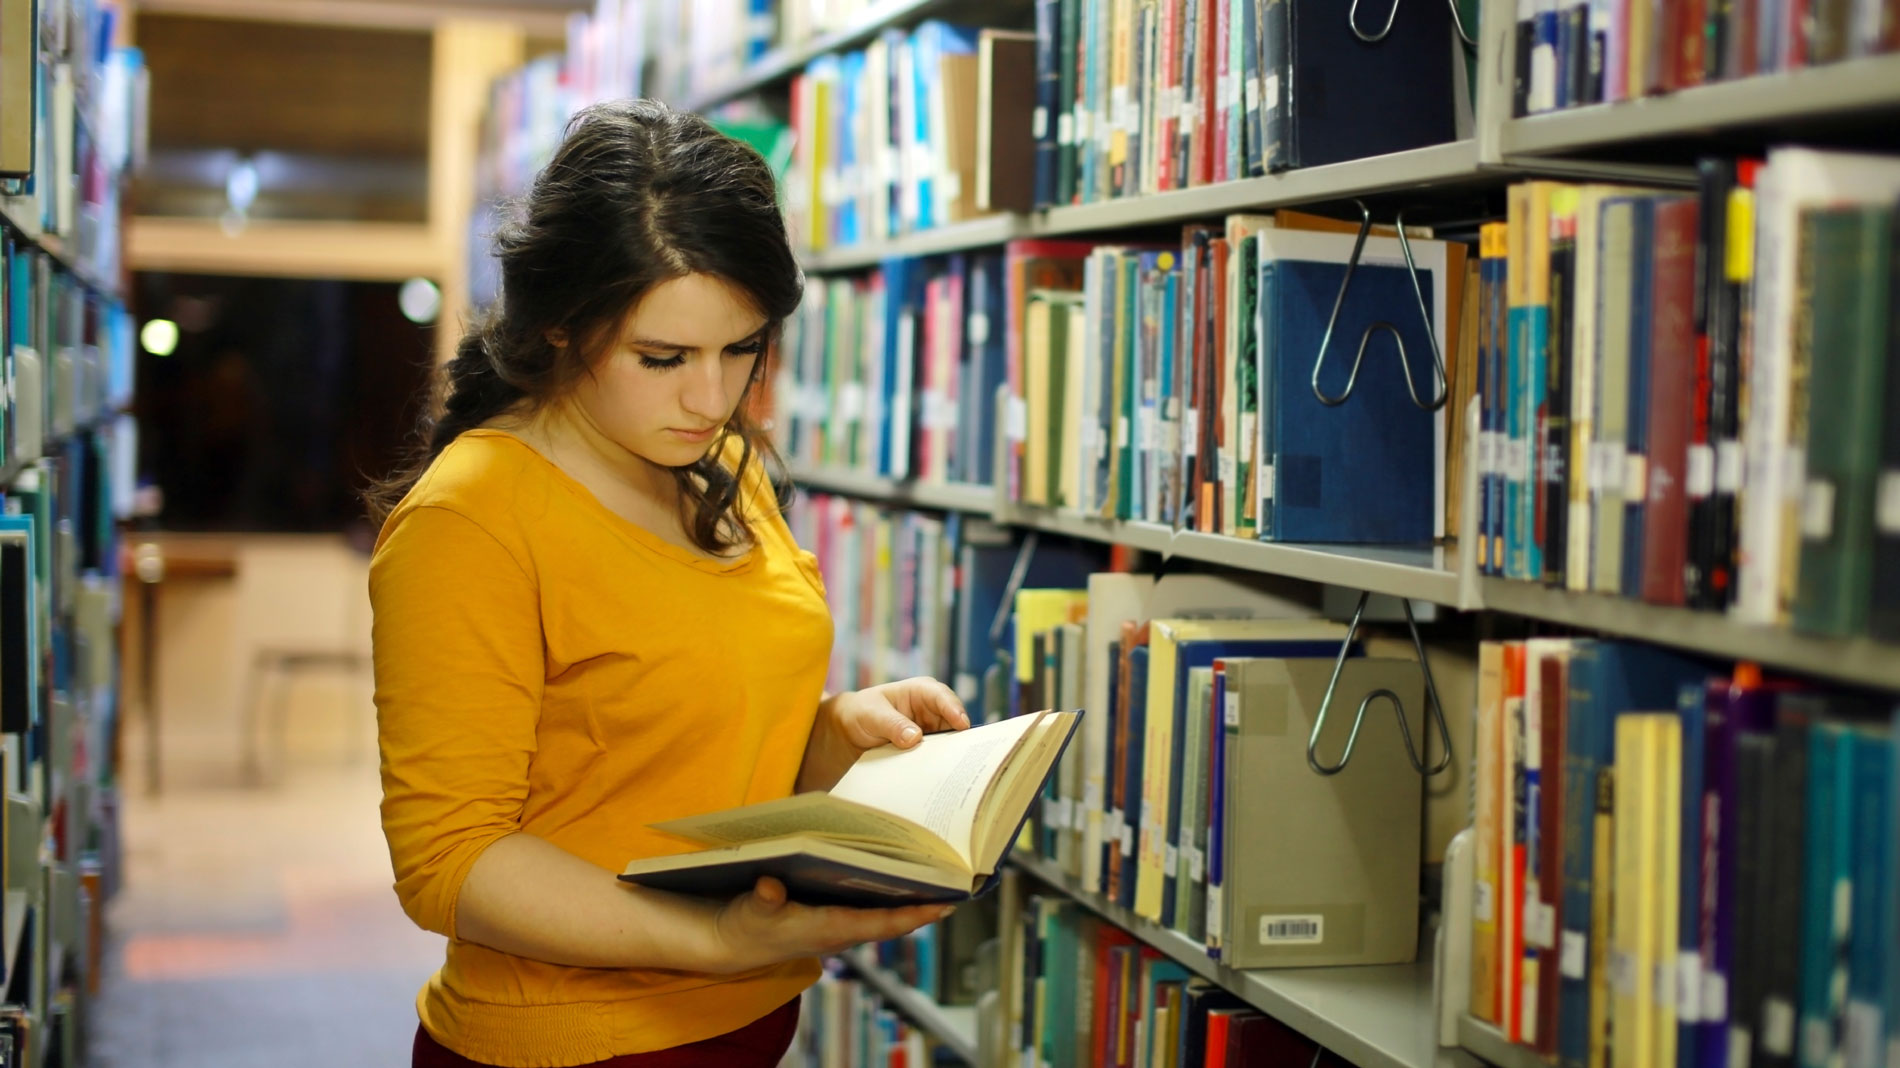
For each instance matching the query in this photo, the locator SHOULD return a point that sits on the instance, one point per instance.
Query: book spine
(1823, 919)
(1048, 90)
(1670, 385)
(1850, 327)
(1777, 1037)
(1276, 111)
(1494, 256)
(1069, 50)
(1869, 968)
(1636, 452)
(1686, 991)
(1555, 464)
(1884, 612)
(1553, 734)
(1583, 760)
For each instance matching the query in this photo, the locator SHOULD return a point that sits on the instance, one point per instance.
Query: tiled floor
(257, 929)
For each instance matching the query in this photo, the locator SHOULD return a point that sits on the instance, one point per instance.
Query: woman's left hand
(896, 713)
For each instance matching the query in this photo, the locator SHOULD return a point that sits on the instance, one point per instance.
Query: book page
(814, 813)
(941, 783)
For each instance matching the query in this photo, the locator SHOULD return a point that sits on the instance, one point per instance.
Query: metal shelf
(1838, 90)
(952, 1025)
(780, 64)
(1489, 1044)
(1375, 1017)
(1853, 660)
(976, 233)
(950, 497)
(1452, 164)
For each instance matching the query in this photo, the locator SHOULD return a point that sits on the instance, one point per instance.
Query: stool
(277, 665)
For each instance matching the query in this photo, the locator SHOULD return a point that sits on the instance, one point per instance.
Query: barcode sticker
(1039, 123)
(851, 400)
(968, 689)
(1017, 423)
(1270, 90)
(1622, 972)
(1231, 714)
(1121, 433)
(1065, 129)
(1887, 503)
(1689, 987)
(978, 328)
(1197, 864)
(1084, 122)
(1253, 94)
(1170, 861)
(1606, 467)
(1635, 476)
(1216, 920)
(1794, 474)
(1574, 961)
(1190, 435)
(1728, 466)
(1817, 510)
(1701, 473)
(1487, 453)
(1128, 840)
(1714, 996)
(1484, 908)
(1741, 1044)
(1777, 1027)
(1118, 106)
(1292, 930)
(1540, 925)
(1817, 1040)
(1861, 1040)
(1092, 797)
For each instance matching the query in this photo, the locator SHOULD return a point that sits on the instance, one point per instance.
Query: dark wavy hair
(636, 195)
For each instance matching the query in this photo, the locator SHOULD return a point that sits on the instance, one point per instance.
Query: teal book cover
(1825, 910)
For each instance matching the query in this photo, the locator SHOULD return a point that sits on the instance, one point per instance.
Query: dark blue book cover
(1131, 777)
(1048, 87)
(1253, 126)
(986, 343)
(1362, 471)
(1744, 706)
(1347, 99)
(903, 297)
(1606, 679)
(1189, 655)
(1637, 431)
(959, 465)
(985, 558)
(1110, 835)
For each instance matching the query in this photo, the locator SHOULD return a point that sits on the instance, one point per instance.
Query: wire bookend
(1434, 710)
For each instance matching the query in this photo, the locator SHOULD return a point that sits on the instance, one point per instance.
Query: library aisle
(256, 927)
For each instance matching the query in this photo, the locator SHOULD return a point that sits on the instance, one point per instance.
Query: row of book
(1134, 98)
(1685, 397)
(843, 1023)
(72, 124)
(1082, 991)
(1679, 865)
(953, 961)
(1573, 54)
(902, 135)
(1167, 383)
(70, 350)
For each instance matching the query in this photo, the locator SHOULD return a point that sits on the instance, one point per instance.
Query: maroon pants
(759, 1044)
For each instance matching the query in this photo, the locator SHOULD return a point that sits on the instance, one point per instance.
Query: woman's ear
(557, 337)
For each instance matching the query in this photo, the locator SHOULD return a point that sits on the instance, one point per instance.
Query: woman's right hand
(765, 927)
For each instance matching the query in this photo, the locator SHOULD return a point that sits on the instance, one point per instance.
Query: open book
(927, 824)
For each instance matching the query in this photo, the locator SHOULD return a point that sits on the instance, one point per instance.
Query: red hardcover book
(1207, 91)
(1553, 683)
(1223, 73)
(1167, 124)
(1672, 354)
(1692, 43)
(1515, 860)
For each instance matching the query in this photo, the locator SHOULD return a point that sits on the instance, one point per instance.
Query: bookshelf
(954, 1026)
(1381, 1016)
(777, 66)
(1868, 87)
(55, 246)
(1375, 1017)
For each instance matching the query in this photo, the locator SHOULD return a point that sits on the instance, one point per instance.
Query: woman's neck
(572, 441)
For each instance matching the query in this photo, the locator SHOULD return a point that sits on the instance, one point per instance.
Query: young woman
(591, 617)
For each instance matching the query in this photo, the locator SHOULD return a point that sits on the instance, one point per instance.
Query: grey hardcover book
(1322, 870)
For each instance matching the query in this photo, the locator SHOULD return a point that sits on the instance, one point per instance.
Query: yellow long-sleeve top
(545, 666)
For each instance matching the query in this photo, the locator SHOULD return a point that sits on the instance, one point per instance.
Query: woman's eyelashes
(667, 363)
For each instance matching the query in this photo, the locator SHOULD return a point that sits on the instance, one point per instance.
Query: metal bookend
(1405, 364)
(1018, 574)
(1435, 710)
(1352, 20)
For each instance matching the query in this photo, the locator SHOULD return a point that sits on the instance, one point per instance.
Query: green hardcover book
(1069, 43)
(1851, 254)
(1247, 383)
(1614, 265)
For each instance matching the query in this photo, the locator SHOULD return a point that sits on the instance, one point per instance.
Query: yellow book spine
(1490, 839)
(1666, 889)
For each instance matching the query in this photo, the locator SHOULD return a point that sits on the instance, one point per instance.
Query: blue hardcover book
(903, 296)
(987, 344)
(985, 559)
(848, 227)
(1825, 916)
(1048, 87)
(1606, 679)
(1494, 385)
(1362, 471)
(1692, 706)
(1112, 714)
(1637, 430)
(1252, 119)
(1870, 969)
(1338, 90)
(1131, 777)
(930, 44)
(1189, 655)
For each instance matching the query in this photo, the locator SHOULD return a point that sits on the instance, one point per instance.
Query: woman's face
(676, 371)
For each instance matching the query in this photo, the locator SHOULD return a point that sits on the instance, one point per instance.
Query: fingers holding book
(765, 927)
